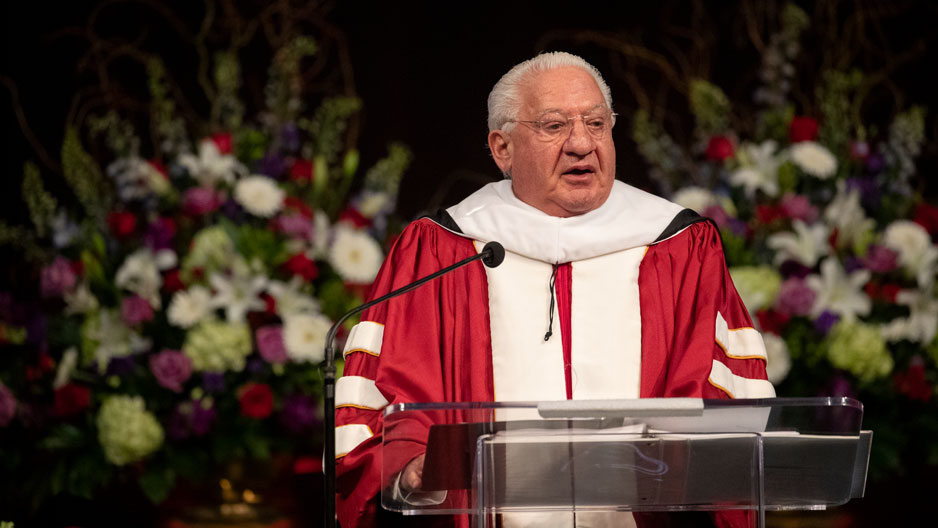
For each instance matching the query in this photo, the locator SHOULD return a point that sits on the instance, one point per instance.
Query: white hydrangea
(189, 307)
(304, 336)
(259, 195)
(355, 255)
(126, 430)
(778, 360)
(698, 199)
(371, 203)
(140, 275)
(814, 159)
(758, 168)
(916, 252)
(838, 292)
(80, 300)
(806, 245)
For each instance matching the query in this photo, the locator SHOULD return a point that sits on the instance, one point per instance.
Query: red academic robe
(434, 345)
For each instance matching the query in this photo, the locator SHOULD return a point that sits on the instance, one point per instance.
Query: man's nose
(579, 142)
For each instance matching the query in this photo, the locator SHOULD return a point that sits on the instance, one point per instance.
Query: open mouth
(579, 171)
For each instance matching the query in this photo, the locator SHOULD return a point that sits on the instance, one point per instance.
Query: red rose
(927, 217)
(223, 142)
(71, 399)
(912, 382)
(802, 129)
(158, 165)
(772, 321)
(307, 465)
(354, 217)
(719, 148)
(768, 213)
(303, 266)
(172, 282)
(301, 170)
(122, 223)
(256, 400)
(291, 202)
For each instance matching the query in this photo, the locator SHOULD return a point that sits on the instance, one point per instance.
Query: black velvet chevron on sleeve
(681, 220)
(445, 220)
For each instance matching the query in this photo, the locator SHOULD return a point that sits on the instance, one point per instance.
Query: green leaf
(40, 203)
(156, 483)
(64, 436)
(84, 176)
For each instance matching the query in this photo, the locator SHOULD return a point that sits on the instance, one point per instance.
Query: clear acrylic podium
(667, 454)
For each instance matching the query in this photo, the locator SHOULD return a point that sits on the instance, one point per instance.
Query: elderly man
(605, 292)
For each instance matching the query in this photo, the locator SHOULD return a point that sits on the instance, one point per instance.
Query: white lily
(211, 166)
(922, 323)
(847, 216)
(239, 292)
(806, 245)
(758, 168)
(838, 292)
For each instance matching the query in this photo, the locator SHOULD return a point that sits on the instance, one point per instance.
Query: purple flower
(7, 406)
(56, 278)
(717, 214)
(290, 136)
(299, 413)
(793, 268)
(826, 321)
(880, 259)
(270, 344)
(852, 264)
(199, 200)
(296, 226)
(171, 368)
(213, 382)
(159, 234)
(271, 165)
(869, 191)
(136, 310)
(203, 416)
(795, 297)
(875, 163)
(233, 211)
(120, 366)
(194, 417)
(799, 207)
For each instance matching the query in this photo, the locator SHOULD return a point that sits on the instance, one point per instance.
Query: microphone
(492, 255)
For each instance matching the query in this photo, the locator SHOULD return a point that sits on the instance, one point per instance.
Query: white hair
(505, 97)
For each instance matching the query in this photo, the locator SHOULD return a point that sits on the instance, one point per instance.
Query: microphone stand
(492, 255)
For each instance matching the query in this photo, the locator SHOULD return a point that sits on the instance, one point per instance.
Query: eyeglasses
(556, 125)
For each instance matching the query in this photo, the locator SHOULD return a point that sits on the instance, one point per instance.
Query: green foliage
(710, 107)
(656, 146)
(328, 124)
(84, 176)
(387, 173)
(119, 133)
(40, 203)
(156, 483)
(227, 108)
(23, 240)
(837, 99)
(283, 89)
(165, 124)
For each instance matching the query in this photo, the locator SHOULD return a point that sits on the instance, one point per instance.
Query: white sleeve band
(739, 343)
(348, 437)
(737, 386)
(356, 391)
(366, 337)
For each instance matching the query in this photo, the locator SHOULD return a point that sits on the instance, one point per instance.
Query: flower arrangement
(831, 245)
(180, 311)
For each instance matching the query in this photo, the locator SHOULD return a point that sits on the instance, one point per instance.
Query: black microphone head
(495, 254)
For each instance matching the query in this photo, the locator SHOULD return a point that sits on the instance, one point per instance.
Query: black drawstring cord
(550, 321)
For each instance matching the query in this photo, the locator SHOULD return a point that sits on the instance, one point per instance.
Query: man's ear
(501, 148)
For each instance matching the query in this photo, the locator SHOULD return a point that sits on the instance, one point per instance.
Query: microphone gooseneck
(492, 255)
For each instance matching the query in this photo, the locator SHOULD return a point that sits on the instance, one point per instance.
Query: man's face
(569, 175)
